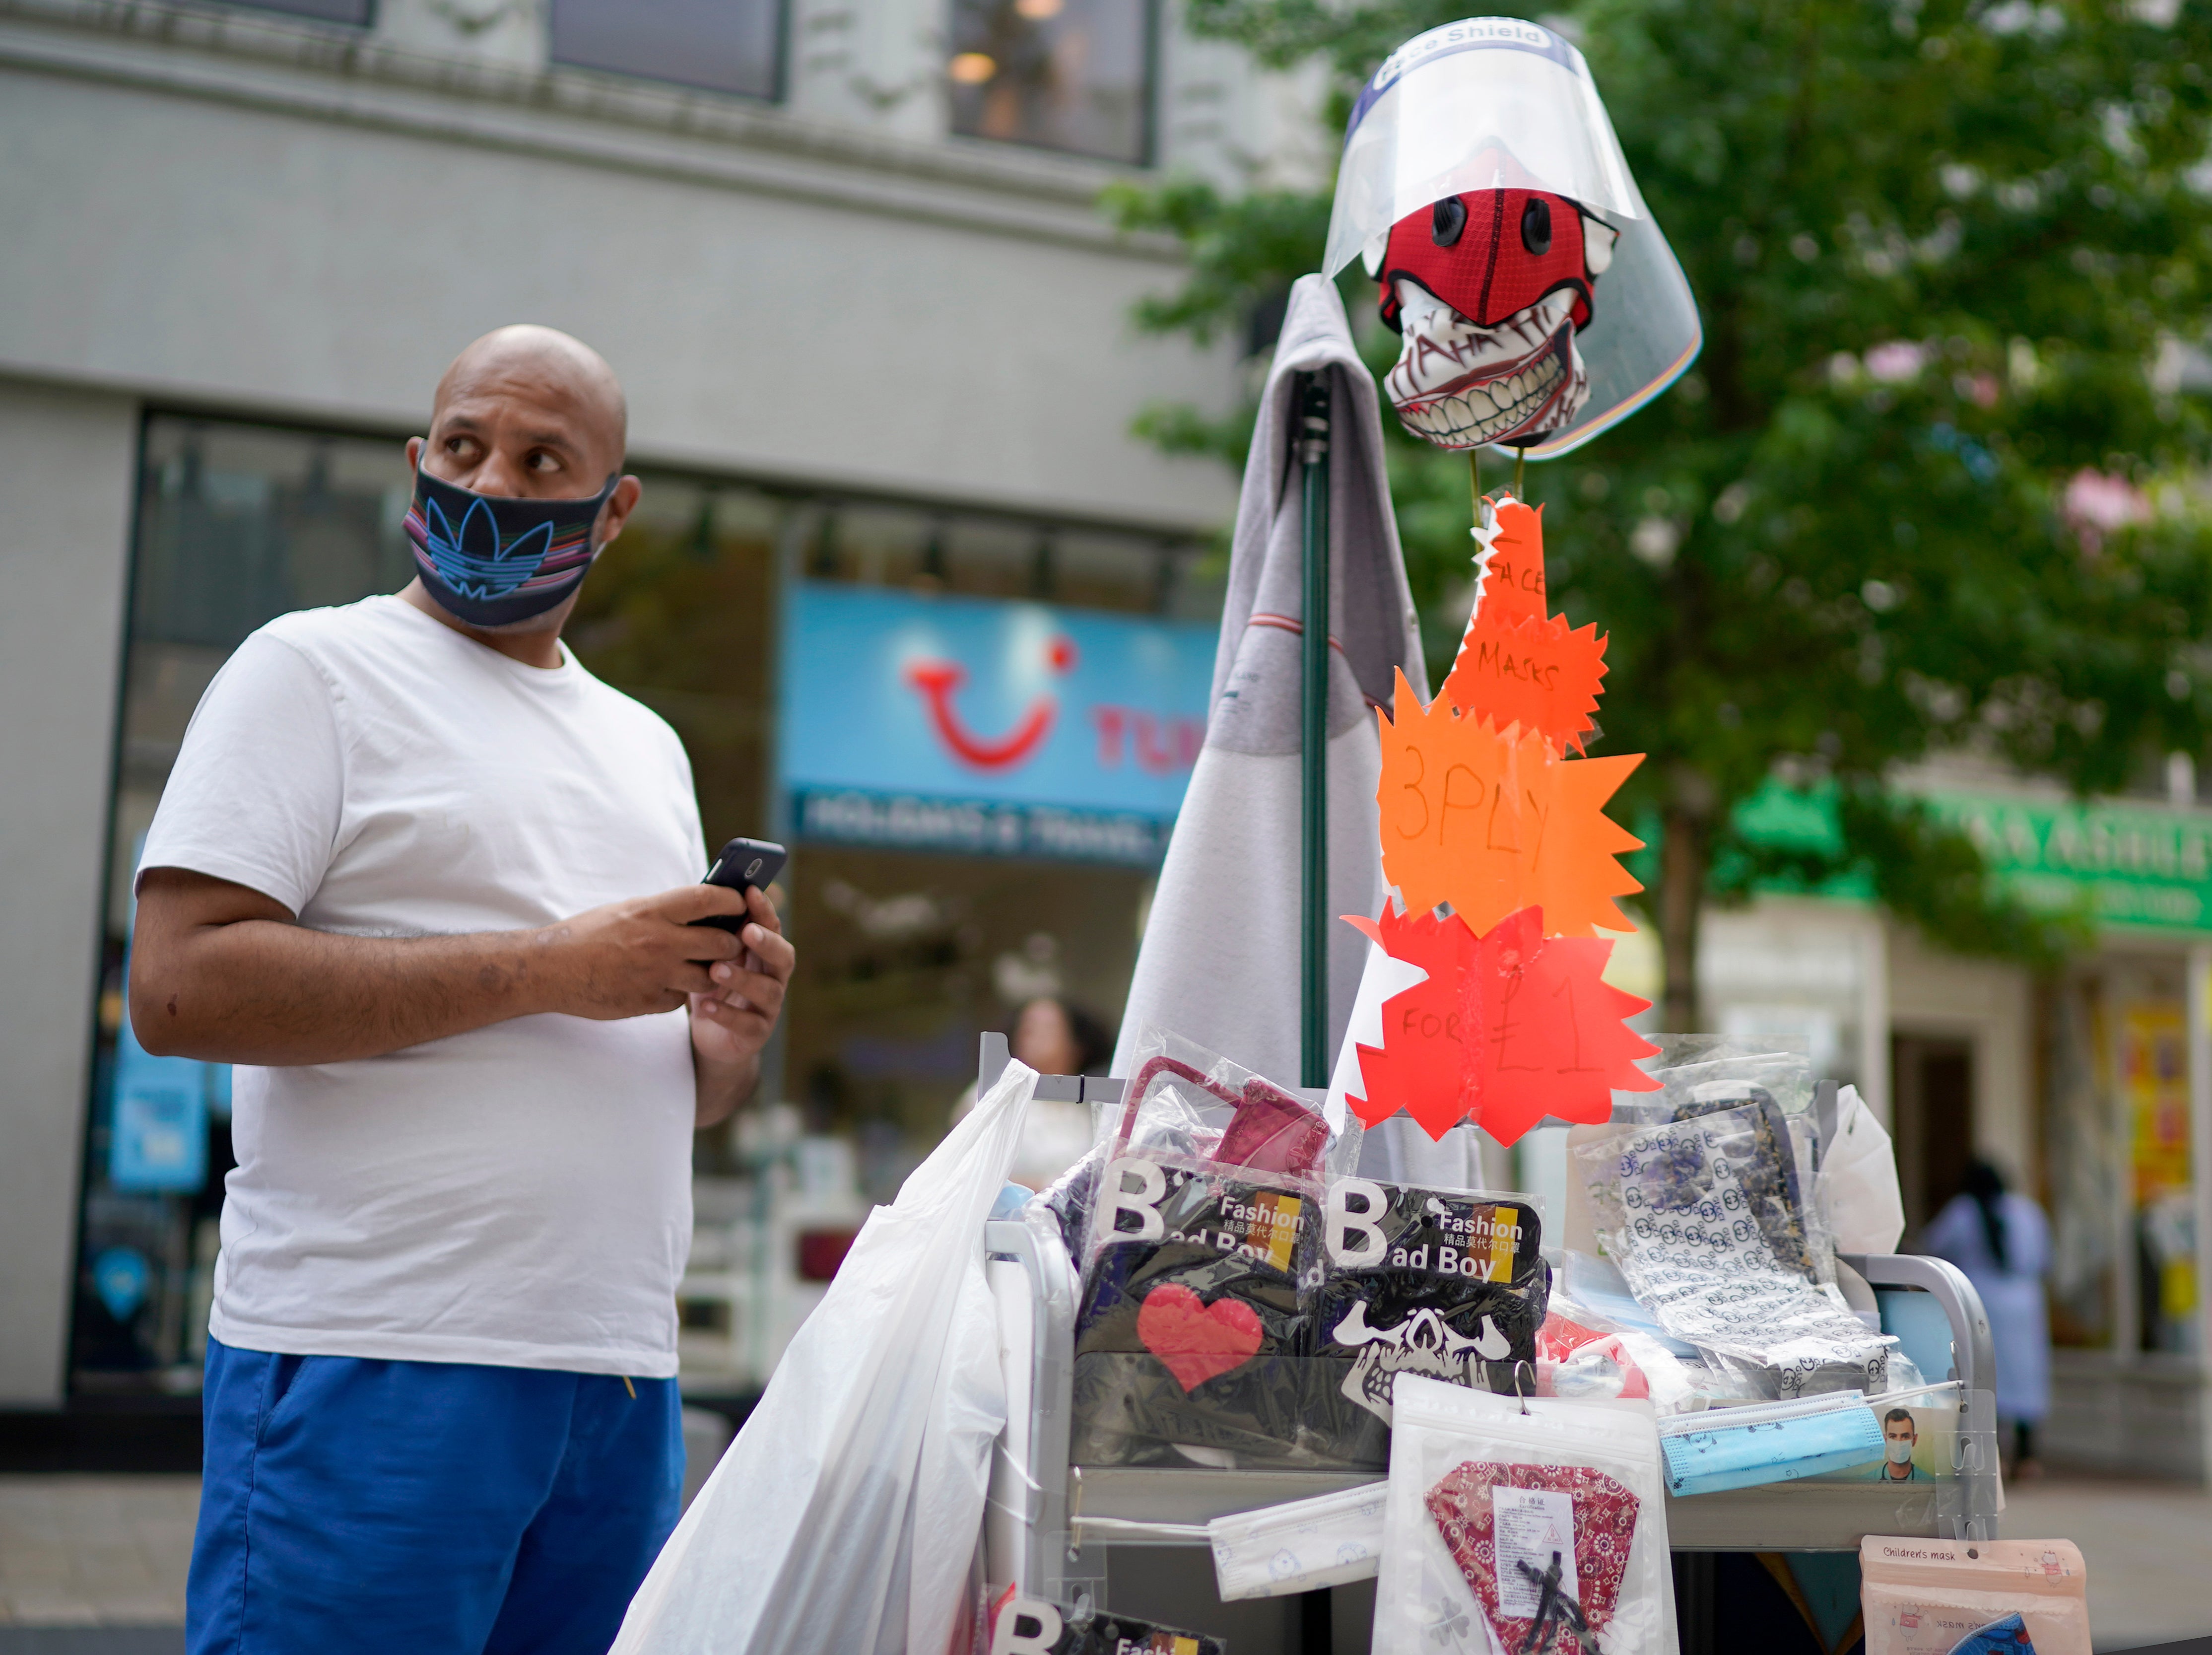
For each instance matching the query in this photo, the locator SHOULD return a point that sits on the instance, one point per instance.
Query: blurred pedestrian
(1053, 1036)
(2002, 1240)
(399, 876)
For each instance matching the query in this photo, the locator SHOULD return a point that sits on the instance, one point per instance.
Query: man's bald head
(528, 413)
(528, 410)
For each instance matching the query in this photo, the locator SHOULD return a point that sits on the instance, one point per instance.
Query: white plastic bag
(1858, 1192)
(843, 1519)
(1478, 1487)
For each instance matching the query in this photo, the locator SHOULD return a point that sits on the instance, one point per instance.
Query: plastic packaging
(1496, 103)
(1728, 1448)
(1030, 1625)
(1301, 1545)
(1512, 1526)
(845, 1515)
(1859, 1198)
(1972, 1597)
(1449, 1284)
(1186, 1098)
(1705, 1220)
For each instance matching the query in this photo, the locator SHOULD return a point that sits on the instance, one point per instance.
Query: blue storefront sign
(991, 727)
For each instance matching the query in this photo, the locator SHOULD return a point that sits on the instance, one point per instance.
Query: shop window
(1071, 75)
(870, 544)
(719, 46)
(358, 13)
(239, 523)
(907, 957)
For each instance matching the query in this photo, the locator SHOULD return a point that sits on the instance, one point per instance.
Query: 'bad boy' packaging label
(1447, 1285)
(1030, 1625)
(1146, 1198)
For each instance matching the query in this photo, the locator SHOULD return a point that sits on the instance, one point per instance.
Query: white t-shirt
(517, 1195)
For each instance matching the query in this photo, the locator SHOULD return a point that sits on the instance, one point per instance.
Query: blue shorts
(439, 1508)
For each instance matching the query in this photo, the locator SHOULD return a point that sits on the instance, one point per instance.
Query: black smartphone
(744, 864)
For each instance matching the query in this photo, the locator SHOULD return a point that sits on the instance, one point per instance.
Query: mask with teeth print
(1489, 289)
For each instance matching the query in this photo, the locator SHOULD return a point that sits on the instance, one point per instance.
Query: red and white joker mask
(1482, 184)
(1489, 289)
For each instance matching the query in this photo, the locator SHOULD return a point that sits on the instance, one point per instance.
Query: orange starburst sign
(1493, 821)
(1517, 664)
(1509, 1027)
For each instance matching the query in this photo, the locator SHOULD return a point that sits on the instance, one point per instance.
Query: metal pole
(1313, 401)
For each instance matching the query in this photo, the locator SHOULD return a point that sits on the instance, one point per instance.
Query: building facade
(2089, 1087)
(850, 264)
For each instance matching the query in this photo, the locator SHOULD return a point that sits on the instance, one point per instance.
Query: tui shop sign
(922, 722)
(2134, 864)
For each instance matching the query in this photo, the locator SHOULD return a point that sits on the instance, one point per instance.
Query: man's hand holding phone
(731, 1022)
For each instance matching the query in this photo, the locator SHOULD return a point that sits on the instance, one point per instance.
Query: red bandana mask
(1488, 288)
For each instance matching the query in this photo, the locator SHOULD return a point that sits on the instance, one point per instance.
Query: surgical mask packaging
(1451, 1284)
(1512, 1526)
(1973, 1598)
(1705, 1218)
(1728, 1448)
(1302, 1545)
(1030, 1625)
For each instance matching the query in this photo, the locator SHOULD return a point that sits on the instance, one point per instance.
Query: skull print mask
(1489, 289)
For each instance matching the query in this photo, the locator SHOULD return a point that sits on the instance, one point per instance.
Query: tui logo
(470, 559)
(936, 680)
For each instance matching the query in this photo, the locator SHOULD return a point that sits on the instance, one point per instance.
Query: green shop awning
(2142, 866)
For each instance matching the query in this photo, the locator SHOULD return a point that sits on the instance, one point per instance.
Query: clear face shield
(1482, 186)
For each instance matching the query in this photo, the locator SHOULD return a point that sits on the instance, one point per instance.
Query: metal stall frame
(1049, 1524)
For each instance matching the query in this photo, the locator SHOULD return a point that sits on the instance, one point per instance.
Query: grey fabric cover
(1219, 960)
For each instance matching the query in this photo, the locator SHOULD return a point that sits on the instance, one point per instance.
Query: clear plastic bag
(1031, 1625)
(846, 1513)
(1512, 1525)
(1705, 1219)
(1184, 1098)
(1449, 1284)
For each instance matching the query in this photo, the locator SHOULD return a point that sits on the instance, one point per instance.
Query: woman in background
(2002, 1242)
(1053, 1036)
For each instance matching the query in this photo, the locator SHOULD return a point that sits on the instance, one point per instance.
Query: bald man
(404, 875)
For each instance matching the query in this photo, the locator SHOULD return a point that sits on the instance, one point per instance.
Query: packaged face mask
(1030, 1625)
(1192, 1337)
(1507, 1530)
(1728, 1448)
(1704, 1219)
(1973, 1598)
(1449, 1285)
(1302, 1545)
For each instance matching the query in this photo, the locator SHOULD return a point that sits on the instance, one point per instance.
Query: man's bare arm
(223, 972)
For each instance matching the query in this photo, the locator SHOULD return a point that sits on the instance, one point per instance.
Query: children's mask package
(1510, 1526)
(1973, 1598)
(1448, 1284)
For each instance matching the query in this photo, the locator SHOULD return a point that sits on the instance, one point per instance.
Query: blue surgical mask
(1900, 1451)
(491, 560)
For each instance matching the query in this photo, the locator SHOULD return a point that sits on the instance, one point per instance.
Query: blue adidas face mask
(492, 560)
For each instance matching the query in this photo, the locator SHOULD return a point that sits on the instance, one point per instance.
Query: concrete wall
(317, 237)
(66, 461)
